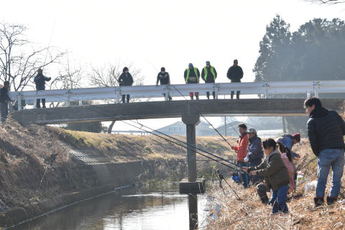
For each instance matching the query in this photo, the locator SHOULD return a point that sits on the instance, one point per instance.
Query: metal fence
(250, 89)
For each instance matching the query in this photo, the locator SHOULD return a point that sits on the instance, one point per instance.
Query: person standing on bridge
(125, 79)
(325, 131)
(241, 150)
(164, 79)
(40, 81)
(209, 75)
(4, 99)
(191, 76)
(235, 74)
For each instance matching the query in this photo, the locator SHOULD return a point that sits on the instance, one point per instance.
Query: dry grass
(249, 213)
(132, 147)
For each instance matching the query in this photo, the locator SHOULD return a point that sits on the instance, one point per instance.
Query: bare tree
(19, 61)
(108, 77)
(68, 78)
(328, 1)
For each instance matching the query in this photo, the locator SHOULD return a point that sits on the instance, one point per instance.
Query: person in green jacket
(209, 75)
(276, 177)
(191, 76)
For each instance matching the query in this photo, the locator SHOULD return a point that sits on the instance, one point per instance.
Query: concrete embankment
(86, 166)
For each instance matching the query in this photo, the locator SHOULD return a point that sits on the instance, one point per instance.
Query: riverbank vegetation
(249, 213)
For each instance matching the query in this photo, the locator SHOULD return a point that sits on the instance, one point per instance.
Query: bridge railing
(255, 89)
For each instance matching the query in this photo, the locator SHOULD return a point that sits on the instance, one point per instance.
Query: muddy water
(139, 211)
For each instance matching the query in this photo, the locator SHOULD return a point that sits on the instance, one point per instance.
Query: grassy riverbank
(249, 213)
(27, 178)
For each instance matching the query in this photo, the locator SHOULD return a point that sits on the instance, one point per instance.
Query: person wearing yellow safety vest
(191, 76)
(209, 75)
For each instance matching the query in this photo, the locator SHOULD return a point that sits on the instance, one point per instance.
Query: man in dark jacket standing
(40, 81)
(4, 99)
(209, 75)
(125, 79)
(191, 76)
(164, 79)
(325, 131)
(235, 74)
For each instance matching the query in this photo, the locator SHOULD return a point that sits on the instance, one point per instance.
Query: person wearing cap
(255, 153)
(235, 74)
(125, 79)
(40, 81)
(241, 150)
(164, 79)
(209, 75)
(191, 76)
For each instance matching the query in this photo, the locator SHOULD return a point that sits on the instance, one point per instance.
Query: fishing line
(185, 145)
(188, 145)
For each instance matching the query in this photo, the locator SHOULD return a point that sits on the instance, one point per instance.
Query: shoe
(331, 200)
(318, 201)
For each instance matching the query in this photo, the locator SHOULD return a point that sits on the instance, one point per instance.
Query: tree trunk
(110, 128)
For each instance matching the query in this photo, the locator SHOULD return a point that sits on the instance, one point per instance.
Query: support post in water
(191, 121)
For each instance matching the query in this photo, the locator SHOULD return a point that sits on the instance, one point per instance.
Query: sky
(149, 34)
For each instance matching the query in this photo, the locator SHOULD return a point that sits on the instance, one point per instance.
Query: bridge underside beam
(173, 109)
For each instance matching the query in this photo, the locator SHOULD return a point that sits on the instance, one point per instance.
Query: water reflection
(149, 211)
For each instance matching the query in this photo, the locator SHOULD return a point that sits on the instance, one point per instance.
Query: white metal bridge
(302, 89)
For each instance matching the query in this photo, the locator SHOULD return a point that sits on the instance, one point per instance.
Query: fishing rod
(214, 128)
(185, 145)
(221, 178)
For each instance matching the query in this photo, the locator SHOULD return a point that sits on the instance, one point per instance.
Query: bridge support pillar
(191, 122)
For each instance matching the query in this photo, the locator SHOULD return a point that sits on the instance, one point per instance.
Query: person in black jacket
(325, 131)
(4, 99)
(125, 79)
(209, 75)
(164, 79)
(40, 81)
(235, 74)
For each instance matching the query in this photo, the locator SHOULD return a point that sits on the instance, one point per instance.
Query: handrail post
(68, 102)
(19, 101)
(166, 93)
(316, 87)
(266, 86)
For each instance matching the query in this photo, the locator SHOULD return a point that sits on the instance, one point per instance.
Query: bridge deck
(173, 109)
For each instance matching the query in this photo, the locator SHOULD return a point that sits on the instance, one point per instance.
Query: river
(133, 211)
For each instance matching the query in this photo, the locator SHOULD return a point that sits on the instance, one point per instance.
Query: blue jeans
(278, 200)
(330, 158)
(244, 175)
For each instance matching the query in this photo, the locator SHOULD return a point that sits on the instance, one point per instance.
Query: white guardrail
(259, 89)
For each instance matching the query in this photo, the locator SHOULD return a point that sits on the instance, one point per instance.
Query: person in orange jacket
(241, 150)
